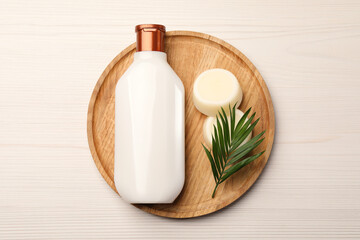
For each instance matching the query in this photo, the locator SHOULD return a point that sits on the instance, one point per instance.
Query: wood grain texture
(52, 54)
(189, 54)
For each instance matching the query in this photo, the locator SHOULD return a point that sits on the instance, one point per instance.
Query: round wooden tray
(189, 54)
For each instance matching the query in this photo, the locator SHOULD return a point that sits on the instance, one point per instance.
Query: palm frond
(227, 155)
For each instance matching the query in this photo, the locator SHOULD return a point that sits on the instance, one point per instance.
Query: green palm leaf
(227, 155)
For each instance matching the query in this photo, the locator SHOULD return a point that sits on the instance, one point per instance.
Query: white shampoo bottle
(149, 124)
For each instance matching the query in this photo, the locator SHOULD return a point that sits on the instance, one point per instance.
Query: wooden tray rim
(101, 81)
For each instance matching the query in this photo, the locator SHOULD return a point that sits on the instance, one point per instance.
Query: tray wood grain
(189, 54)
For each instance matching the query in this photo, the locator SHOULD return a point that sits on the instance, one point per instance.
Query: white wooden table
(52, 53)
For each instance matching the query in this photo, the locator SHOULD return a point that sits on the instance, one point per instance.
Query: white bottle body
(149, 131)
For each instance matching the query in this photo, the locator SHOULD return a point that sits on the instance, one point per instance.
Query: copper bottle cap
(150, 37)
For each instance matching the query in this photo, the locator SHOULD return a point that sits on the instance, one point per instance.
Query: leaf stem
(213, 195)
(218, 182)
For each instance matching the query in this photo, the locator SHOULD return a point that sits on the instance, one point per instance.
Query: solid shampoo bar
(210, 122)
(216, 88)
